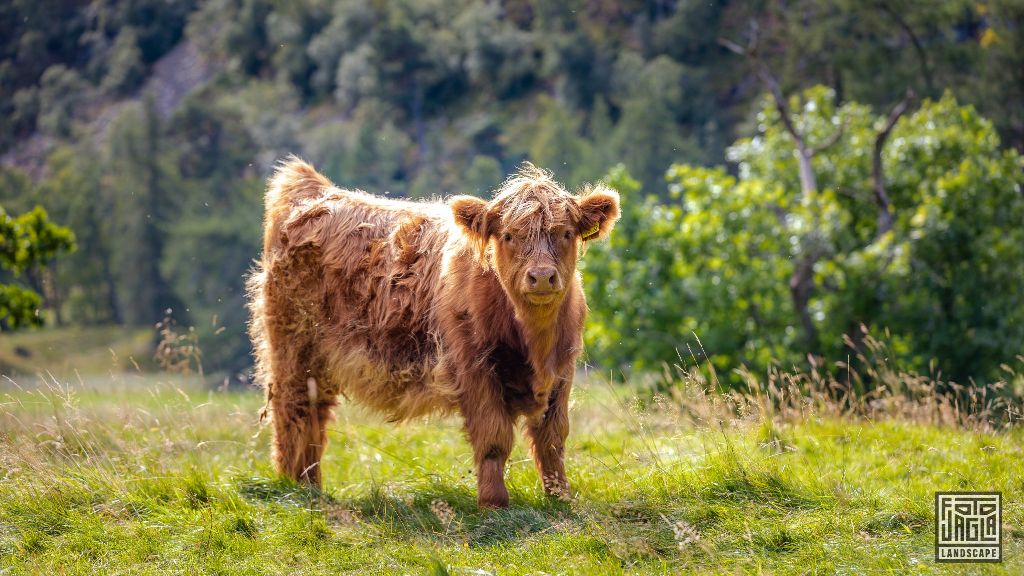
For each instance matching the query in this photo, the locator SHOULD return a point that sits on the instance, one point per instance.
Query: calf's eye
(508, 237)
(568, 234)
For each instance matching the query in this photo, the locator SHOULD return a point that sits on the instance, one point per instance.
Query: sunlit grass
(168, 477)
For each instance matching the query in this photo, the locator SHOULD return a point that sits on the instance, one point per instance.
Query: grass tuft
(775, 540)
(903, 521)
(244, 526)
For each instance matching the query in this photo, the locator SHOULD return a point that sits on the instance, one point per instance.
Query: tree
(925, 266)
(73, 192)
(1002, 78)
(143, 183)
(124, 66)
(812, 244)
(556, 143)
(351, 21)
(867, 51)
(646, 138)
(61, 90)
(157, 25)
(289, 29)
(246, 37)
(500, 57)
(215, 234)
(483, 175)
(368, 152)
(962, 241)
(27, 243)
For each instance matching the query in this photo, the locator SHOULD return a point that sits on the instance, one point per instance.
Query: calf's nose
(542, 278)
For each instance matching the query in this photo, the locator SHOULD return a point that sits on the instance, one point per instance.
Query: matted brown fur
(414, 308)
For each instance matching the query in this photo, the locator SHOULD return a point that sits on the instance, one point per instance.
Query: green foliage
(216, 302)
(963, 243)
(705, 272)
(31, 239)
(158, 25)
(142, 184)
(60, 90)
(640, 257)
(650, 96)
(1002, 46)
(16, 190)
(27, 241)
(347, 149)
(74, 194)
(19, 307)
(125, 68)
(245, 35)
(425, 59)
(715, 261)
(483, 175)
(555, 144)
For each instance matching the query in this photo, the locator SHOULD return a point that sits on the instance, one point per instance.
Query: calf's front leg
(489, 428)
(546, 434)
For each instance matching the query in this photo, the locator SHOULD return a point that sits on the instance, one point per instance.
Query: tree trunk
(801, 287)
(801, 282)
(55, 297)
(111, 282)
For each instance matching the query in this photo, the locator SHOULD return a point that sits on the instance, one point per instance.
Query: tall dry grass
(868, 386)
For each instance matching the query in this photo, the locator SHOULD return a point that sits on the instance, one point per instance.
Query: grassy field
(156, 475)
(92, 351)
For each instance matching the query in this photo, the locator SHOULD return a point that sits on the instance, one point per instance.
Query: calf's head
(531, 232)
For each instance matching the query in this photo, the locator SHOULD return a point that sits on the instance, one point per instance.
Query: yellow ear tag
(592, 231)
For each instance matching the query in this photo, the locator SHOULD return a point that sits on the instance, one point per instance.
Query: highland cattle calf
(414, 308)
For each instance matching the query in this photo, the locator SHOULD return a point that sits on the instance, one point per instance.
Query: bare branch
(732, 46)
(832, 140)
(781, 104)
(808, 183)
(885, 215)
(922, 57)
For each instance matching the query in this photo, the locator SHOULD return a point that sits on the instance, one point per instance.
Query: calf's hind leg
(300, 413)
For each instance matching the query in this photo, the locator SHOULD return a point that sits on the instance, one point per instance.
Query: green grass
(161, 476)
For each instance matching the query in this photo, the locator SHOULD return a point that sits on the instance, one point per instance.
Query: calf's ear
(471, 214)
(599, 209)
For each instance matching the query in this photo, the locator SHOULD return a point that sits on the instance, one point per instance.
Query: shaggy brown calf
(421, 307)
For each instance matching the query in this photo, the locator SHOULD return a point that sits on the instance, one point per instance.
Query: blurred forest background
(793, 173)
